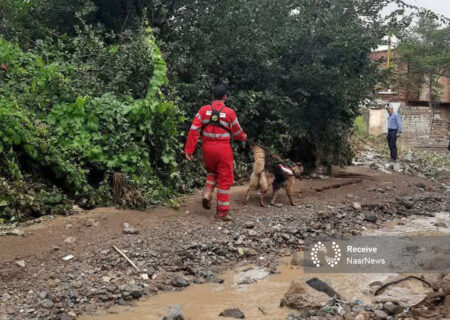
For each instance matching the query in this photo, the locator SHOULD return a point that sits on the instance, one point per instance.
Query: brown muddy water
(261, 300)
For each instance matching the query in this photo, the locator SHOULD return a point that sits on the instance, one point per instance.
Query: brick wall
(416, 122)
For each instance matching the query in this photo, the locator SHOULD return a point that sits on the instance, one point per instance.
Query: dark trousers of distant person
(392, 143)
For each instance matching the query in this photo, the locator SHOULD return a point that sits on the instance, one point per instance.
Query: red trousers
(218, 160)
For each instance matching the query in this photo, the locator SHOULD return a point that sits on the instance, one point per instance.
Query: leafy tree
(426, 51)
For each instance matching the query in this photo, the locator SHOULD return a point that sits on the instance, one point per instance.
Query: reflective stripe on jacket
(228, 119)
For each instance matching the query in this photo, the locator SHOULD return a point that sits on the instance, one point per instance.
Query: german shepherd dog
(266, 173)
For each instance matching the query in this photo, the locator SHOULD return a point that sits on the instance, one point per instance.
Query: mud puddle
(261, 299)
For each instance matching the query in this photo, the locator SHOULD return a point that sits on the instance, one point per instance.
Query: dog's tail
(259, 156)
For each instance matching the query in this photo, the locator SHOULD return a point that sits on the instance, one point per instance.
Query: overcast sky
(438, 6)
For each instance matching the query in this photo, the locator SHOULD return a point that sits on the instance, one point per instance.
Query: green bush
(360, 127)
(58, 146)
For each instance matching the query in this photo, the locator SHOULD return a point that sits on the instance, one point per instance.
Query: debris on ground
(20, 263)
(175, 313)
(250, 276)
(232, 313)
(127, 229)
(301, 296)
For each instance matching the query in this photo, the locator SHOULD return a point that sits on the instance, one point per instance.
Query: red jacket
(228, 119)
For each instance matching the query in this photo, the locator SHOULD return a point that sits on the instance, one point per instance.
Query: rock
(252, 233)
(421, 185)
(106, 279)
(446, 306)
(20, 263)
(370, 217)
(360, 317)
(409, 156)
(180, 282)
(67, 258)
(127, 229)
(446, 284)
(297, 259)
(391, 308)
(249, 224)
(69, 240)
(356, 206)
(13, 232)
(90, 222)
(76, 209)
(47, 304)
(232, 313)
(251, 276)
(440, 225)
(144, 276)
(43, 295)
(380, 314)
(134, 290)
(300, 296)
(321, 286)
(396, 167)
(175, 313)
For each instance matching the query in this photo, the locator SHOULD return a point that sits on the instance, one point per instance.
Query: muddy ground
(174, 248)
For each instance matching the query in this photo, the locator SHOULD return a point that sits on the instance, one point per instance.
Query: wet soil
(187, 243)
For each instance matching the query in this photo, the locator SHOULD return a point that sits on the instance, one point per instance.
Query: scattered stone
(127, 229)
(144, 276)
(446, 284)
(391, 308)
(47, 303)
(175, 313)
(421, 185)
(13, 232)
(180, 282)
(440, 225)
(251, 276)
(134, 290)
(252, 234)
(76, 209)
(249, 224)
(20, 263)
(370, 217)
(356, 206)
(300, 296)
(360, 317)
(67, 258)
(232, 313)
(106, 279)
(321, 286)
(380, 314)
(90, 222)
(69, 240)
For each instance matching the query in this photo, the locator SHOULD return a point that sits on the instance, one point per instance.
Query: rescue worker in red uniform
(217, 124)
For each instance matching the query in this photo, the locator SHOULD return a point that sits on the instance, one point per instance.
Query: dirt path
(171, 243)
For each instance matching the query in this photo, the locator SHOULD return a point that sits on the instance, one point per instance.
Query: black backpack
(215, 119)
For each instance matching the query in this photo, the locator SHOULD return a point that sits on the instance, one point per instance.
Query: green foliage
(61, 135)
(360, 127)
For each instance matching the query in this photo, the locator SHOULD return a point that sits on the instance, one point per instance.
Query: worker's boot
(206, 198)
(224, 216)
(209, 190)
